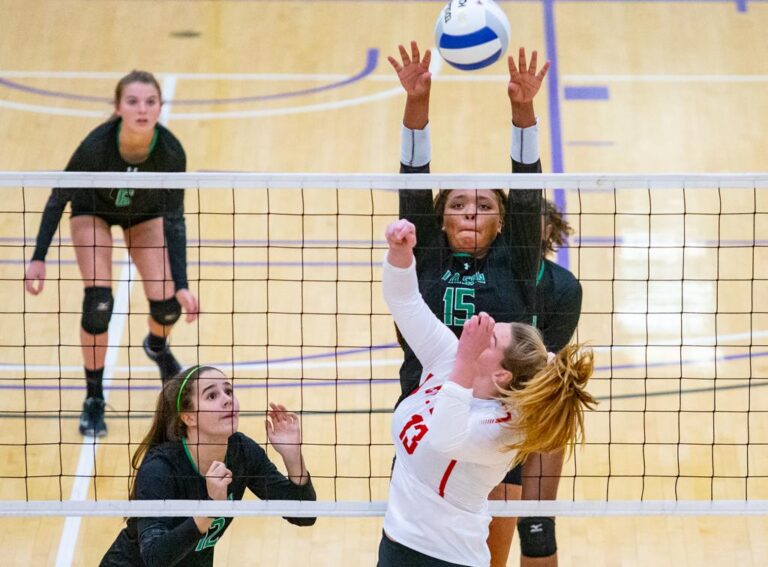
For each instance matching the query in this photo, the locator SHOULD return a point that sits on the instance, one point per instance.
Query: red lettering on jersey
(433, 391)
(420, 385)
(412, 433)
(507, 417)
(446, 474)
(503, 419)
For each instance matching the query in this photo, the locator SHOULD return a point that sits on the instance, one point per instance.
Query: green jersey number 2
(212, 537)
(458, 305)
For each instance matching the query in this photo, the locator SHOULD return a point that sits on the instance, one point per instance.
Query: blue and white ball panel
(473, 57)
(475, 35)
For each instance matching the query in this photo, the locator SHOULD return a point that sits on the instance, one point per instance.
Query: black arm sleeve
(559, 326)
(175, 230)
(82, 160)
(268, 483)
(416, 206)
(174, 225)
(161, 542)
(54, 208)
(522, 232)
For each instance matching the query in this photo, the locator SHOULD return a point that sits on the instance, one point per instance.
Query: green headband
(184, 383)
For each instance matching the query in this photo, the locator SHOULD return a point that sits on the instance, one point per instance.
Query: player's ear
(503, 378)
(188, 418)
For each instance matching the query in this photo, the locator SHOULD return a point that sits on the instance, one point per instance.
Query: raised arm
(268, 483)
(522, 226)
(415, 146)
(432, 342)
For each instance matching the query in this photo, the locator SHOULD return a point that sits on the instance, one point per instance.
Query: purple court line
(498, 1)
(586, 92)
(8, 241)
(228, 242)
(221, 263)
(334, 354)
(364, 381)
(555, 128)
(371, 61)
(245, 243)
(595, 143)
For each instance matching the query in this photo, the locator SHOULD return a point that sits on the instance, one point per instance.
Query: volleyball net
(674, 271)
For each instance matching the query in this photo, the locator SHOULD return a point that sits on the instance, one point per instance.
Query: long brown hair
(548, 398)
(561, 229)
(166, 423)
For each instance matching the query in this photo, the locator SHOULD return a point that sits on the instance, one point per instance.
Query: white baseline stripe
(85, 463)
(41, 109)
(665, 78)
(135, 370)
(387, 77)
(56, 110)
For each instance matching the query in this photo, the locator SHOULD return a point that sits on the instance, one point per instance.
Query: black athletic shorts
(101, 203)
(515, 476)
(393, 554)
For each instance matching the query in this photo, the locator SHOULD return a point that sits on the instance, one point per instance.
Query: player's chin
(142, 124)
(229, 423)
(470, 244)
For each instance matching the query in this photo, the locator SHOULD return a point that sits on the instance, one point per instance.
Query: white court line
(41, 109)
(55, 110)
(135, 370)
(390, 77)
(85, 464)
(665, 78)
(435, 68)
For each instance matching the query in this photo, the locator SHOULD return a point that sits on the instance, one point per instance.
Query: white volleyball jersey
(446, 442)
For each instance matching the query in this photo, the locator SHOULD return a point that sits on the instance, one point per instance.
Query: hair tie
(184, 383)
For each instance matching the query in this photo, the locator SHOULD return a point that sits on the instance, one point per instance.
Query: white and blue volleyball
(471, 34)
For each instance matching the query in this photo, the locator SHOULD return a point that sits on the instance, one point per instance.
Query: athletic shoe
(92, 419)
(166, 362)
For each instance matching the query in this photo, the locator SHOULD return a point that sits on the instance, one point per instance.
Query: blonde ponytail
(549, 405)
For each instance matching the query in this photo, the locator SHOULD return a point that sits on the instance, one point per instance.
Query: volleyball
(471, 34)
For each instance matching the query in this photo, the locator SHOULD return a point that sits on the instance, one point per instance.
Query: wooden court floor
(304, 86)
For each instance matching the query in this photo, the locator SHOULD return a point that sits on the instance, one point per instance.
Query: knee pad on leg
(166, 311)
(97, 310)
(537, 537)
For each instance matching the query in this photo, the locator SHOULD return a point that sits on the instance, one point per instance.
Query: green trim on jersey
(189, 454)
(191, 459)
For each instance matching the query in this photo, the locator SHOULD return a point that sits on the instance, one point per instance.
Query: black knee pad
(537, 537)
(166, 311)
(97, 310)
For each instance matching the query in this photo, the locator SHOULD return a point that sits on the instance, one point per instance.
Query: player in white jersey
(485, 402)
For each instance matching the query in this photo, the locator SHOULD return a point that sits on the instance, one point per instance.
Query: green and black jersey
(168, 473)
(512, 283)
(99, 151)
